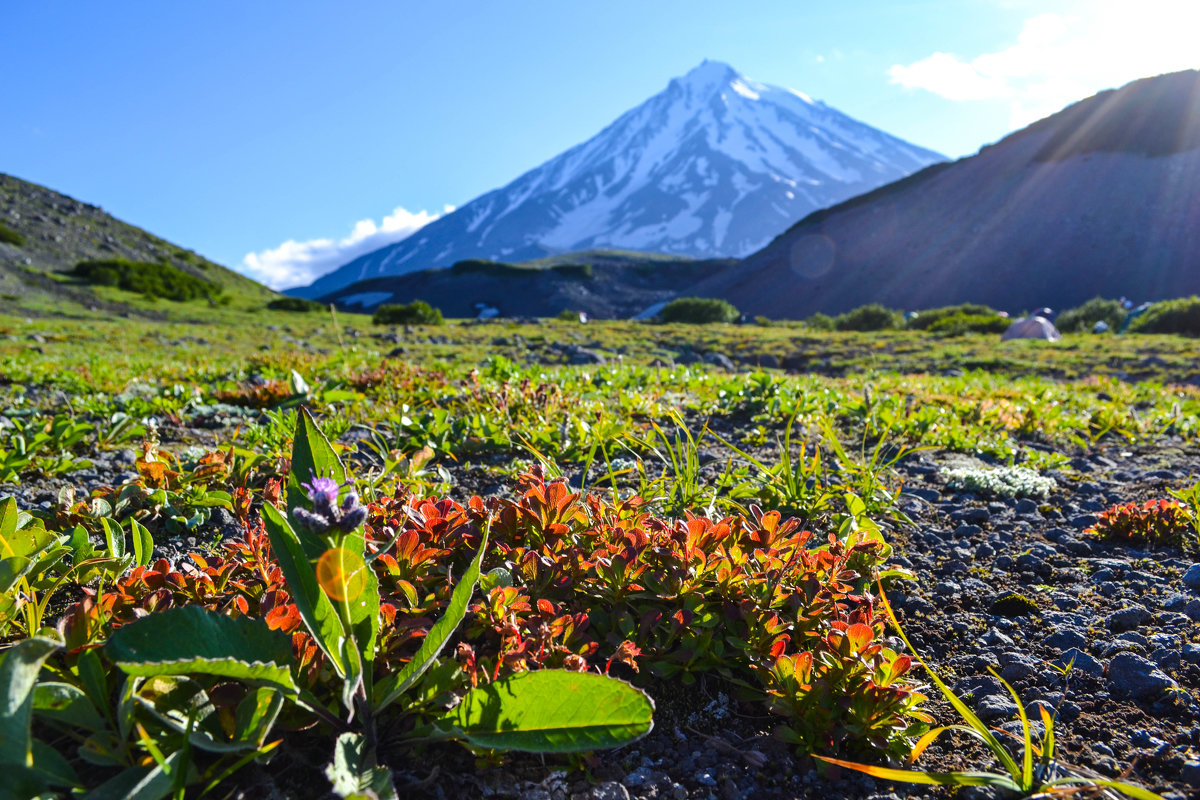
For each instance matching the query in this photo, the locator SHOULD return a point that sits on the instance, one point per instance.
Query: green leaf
(312, 454)
(65, 703)
(178, 702)
(53, 765)
(495, 577)
(143, 543)
(353, 771)
(19, 670)
(314, 606)
(398, 683)
(114, 537)
(140, 783)
(93, 678)
(552, 711)
(20, 535)
(12, 569)
(191, 639)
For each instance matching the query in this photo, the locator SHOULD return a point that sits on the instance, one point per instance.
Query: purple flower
(326, 514)
(322, 492)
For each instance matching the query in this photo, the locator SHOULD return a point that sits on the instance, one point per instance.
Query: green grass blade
(927, 778)
(398, 683)
(998, 750)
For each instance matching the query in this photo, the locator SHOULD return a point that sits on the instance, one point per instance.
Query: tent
(1032, 328)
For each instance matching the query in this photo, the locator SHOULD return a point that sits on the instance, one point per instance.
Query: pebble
(1131, 675)
(1065, 640)
(1191, 578)
(1083, 662)
(1127, 618)
(1026, 506)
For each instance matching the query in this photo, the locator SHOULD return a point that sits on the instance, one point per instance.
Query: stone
(1190, 774)
(972, 516)
(719, 360)
(1083, 662)
(1191, 578)
(581, 355)
(1132, 676)
(1026, 506)
(1127, 618)
(1065, 640)
(995, 706)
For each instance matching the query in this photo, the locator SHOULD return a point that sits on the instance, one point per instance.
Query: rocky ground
(1129, 617)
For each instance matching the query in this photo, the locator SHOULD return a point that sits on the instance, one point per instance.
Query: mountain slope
(713, 166)
(56, 232)
(1102, 198)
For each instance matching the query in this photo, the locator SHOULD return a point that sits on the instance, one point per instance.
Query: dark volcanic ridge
(605, 284)
(1102, 198)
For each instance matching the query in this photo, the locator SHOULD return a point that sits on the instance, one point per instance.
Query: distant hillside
(1102, 198)
(607, 284)
(48, 233)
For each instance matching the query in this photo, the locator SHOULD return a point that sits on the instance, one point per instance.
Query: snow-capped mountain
(714, 165)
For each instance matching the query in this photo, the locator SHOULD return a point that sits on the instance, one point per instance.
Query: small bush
(577, 271)
(1082, 319)
(698, 310)
(495, 269)
(567, 315)
(418, 312)
(1170, 316)
(1154, 522)
(295, 304)
(873, 317)
(924, 320)
(9, 236)
(149, 279)
(957, 324)
(1002, 482)
(819, 322)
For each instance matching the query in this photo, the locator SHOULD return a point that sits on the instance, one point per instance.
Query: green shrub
(957, 324)
(418, 312)
(819, 322)
(1170, 316)
(698, 310)
(577, 271)
(149, 279)
(567, 315)
(496, 269)
(873, 317)
(295, 304)
(924, 320)
(9, 236)
(1082, 319)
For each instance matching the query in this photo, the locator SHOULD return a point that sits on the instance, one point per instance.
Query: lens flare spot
(342, 574)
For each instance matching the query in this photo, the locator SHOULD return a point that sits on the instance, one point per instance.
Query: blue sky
(280, 136)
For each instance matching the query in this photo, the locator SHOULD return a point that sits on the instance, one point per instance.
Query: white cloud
(1058, 59)
(300, 263)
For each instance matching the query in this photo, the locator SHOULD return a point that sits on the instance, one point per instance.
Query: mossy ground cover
(186, 426)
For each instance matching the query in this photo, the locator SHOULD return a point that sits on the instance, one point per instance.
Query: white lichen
(1001, 482)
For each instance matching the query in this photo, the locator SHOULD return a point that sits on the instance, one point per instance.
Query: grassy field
(646, 515)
